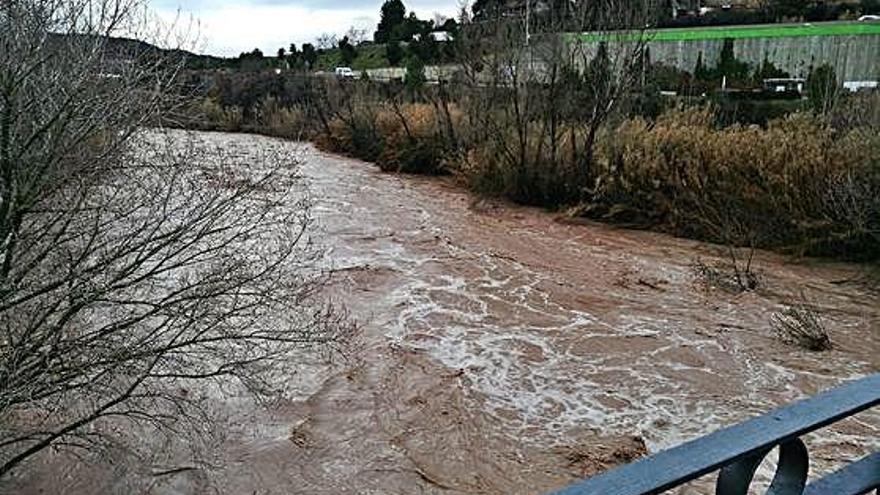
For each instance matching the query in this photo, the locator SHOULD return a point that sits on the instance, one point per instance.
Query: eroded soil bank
(505, 351)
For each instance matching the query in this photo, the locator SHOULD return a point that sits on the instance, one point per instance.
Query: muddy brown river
(504, 350)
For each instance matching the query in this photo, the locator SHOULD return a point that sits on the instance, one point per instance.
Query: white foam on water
(498, 320)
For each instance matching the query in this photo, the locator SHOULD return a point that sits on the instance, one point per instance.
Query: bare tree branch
(133, 261)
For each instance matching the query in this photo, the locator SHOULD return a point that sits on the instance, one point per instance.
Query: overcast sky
(229, 27)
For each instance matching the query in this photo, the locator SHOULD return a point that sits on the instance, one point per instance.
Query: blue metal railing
(737, 452)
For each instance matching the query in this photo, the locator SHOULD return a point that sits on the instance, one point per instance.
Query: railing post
(790, 478)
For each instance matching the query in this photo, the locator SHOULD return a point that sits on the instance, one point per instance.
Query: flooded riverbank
(502, 350)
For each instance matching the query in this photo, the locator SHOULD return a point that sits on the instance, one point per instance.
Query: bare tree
(557, 74)
(610, 58)
(356, 35)
(132, 263)
(326, 41)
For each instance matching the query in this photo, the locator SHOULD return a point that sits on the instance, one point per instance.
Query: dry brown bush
(269, 117)
(207, 114)
(800, 325)
(413, 138)
(399, 138)
(355, 135)
(534, 175)
(805, 184)
(277, 120)
(346, 118)
(746, 186)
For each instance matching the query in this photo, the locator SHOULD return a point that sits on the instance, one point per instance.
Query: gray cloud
(229, 27)
(191, 5)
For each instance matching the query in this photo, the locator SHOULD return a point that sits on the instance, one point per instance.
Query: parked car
(344, 73)
(867, 18)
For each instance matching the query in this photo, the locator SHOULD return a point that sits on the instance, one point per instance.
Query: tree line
(402, 38)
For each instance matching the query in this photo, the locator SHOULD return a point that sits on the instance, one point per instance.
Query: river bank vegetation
(594, 137)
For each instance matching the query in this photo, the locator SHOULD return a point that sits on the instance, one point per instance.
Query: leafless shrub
(735, 275)
(852, 201)
(800, 325)
(537, 101)
(858, 111)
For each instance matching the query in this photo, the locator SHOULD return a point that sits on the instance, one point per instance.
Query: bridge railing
(737, 451)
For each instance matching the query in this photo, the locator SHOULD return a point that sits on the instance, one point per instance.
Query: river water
(505, 350)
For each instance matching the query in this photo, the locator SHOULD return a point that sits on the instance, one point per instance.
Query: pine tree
(392, 15)
(822, 88)
(486, 9)
(347, 51)
(768, 70)
(700, 71)
(309, 55)
(790, 8)
(394, 53)
(293, 55)
(415, 74)
(729, 66)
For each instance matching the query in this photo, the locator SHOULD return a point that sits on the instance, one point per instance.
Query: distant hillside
(193, 60)
(126, 48)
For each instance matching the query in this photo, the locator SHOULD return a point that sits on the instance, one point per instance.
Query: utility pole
(528, 15)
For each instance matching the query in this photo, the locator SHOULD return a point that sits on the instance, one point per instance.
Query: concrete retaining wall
(854, 58)
(433, 73)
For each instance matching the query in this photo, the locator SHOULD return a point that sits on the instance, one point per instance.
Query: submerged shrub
(268, 117)
(801, 325)
(737, 274)
(353, 133)
(398, 138)
(807, 183)
(210, 115)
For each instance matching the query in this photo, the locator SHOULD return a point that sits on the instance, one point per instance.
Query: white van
(344, 73)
